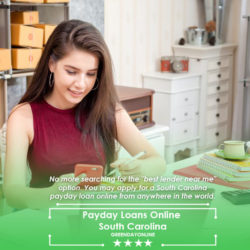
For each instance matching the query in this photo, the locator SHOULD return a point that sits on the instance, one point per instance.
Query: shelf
(50, 13)
(17, 73)
(3, 4)
(22, 73)
(204, 51)
(171, 76)
(39, 4)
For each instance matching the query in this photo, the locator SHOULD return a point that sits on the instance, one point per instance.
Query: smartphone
(93, 174)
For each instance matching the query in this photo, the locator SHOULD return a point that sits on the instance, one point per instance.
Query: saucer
(220, 153)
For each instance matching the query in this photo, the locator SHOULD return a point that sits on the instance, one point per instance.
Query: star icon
(117, 243)
(138, 243)
(128, 243)
(148, 243)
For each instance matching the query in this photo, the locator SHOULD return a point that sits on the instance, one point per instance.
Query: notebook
(243, 165)
(194, 171)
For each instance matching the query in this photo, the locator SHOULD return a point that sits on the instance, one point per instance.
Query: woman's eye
(91, 74)
(71, 72)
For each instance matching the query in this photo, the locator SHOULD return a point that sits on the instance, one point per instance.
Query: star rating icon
(117, 243)
(138, 243)
(128, 243)
(148, 243)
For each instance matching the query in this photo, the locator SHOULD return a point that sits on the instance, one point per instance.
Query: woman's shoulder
(20, 123)
(21, 120)
(21, 112)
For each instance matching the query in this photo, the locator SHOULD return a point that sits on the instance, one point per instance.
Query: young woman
(70, 114)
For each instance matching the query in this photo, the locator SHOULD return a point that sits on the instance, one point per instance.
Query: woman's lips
(76, 93)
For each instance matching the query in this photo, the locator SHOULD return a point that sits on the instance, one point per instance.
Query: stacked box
(25, 17)
(25, 58)
(26, 36)
(47, 31)
(5, 59)
(27, 1)
(56, 1)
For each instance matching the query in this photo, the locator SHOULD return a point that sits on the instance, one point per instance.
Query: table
(30, 228)
(234, 220)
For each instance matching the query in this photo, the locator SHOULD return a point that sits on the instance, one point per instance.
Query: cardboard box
(26, 36)
(47, 30)
(25, 58)
(5, 59)
(56, 1)
(25, 17)
(27, 1)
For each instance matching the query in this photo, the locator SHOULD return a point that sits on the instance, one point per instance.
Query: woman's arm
(19, 137)
(152, 164)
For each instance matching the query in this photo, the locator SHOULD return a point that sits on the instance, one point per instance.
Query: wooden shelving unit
(52, 13)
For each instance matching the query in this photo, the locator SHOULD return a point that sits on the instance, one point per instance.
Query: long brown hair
(100, 104)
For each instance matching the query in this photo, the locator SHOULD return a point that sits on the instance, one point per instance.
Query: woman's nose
(81, 80)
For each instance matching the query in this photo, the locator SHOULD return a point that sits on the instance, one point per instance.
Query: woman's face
(75, 76)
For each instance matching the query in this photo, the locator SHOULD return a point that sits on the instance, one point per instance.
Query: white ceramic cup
(233, 149)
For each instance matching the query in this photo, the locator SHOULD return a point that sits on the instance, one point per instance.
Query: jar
(165, 64)
(184, 60)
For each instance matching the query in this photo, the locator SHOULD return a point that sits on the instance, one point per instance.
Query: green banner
(155, 213)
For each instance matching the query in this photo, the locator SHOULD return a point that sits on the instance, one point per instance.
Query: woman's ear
(52, 65)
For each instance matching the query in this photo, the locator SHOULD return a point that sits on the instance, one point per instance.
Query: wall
(139, 32)
(240, 38)
(88, 10)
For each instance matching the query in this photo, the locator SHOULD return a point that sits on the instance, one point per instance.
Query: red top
(57, 145)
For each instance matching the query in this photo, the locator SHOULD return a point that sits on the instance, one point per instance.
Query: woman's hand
(151, 166)
(132, 169)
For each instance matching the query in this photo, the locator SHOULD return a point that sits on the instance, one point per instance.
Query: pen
(129, 161)
(135, 157)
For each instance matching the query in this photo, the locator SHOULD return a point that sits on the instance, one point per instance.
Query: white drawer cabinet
(214, 100)
(217, 115)
(217, 75)
(176, 104)
(215, 63)
(186, 98)
(216, 135)
(218, 87)
(182, 131)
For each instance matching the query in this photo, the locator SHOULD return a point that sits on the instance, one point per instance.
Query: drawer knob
(185, 131)
(219, 75)
(173, 119)
(218, 63)
(197, 113)
(186, 99)
(186, 114)
(218, 100)
(217, 134)
(217, 115)
(218, 88)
